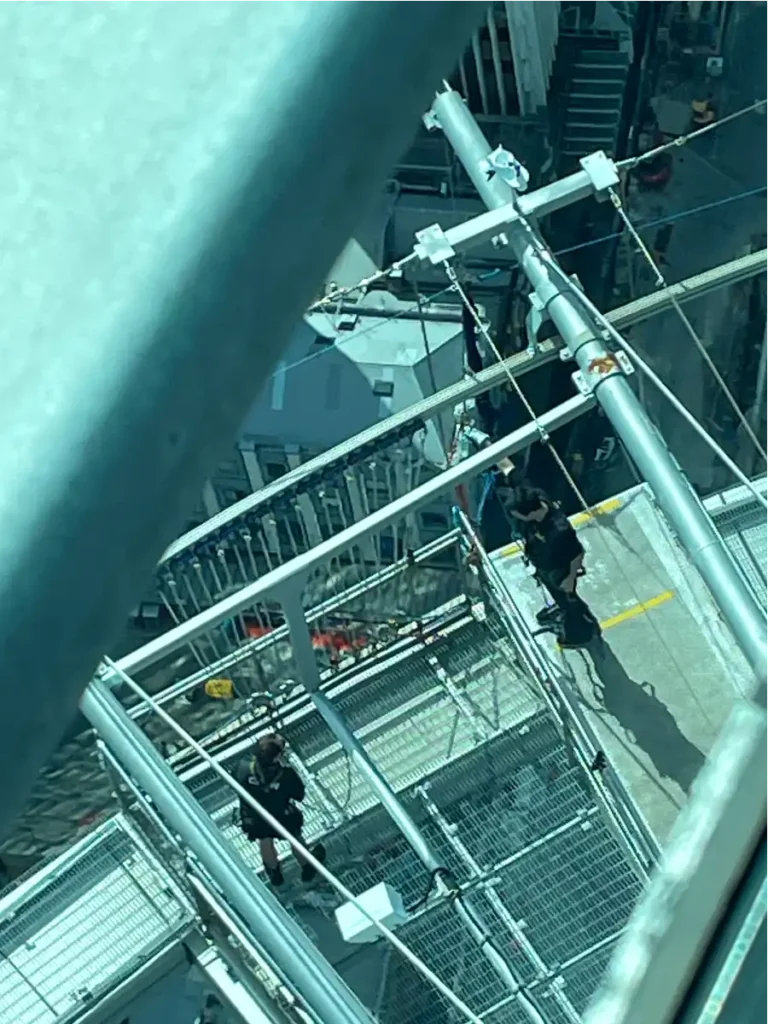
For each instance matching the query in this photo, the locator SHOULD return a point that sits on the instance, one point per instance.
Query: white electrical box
(382, 902)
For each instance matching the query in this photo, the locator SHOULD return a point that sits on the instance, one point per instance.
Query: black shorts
(258, 828)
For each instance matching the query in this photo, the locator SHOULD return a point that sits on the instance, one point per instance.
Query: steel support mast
(294, 957)
(603, 375)
(309, 673)
(200, 208)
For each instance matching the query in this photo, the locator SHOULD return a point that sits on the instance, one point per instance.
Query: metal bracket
(432, 245)
(535, 317)
(602, 173)
(430, 121)
(611, 364)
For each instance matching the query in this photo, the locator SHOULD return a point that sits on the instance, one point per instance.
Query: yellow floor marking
(635, 610)
(576, 521)
(638, 609)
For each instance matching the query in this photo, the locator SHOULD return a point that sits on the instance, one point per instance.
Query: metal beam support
(309, 673)
(296, 960)
(201, 208)
(672, 490)
(623, 316)
(274, 582)
(712, 841)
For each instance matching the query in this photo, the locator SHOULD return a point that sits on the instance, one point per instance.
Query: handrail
(295, 572)
(462, 391)
(623, 814)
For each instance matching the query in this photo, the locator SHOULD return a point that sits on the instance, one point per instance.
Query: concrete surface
(659, 686)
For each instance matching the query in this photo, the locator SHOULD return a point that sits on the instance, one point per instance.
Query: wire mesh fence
(97, 919)
(511, 791)
(740, 520)
(413, 718)
(528, 817)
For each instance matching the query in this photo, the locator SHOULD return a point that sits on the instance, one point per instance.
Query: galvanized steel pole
(672, 490)
(162, 235)
(298, 962)
(309, 673)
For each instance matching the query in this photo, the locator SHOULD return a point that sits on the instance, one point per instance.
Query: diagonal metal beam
(295, 572)
(519, 364)
(177, 180)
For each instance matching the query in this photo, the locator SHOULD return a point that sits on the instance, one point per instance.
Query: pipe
(614, 394)
(358, 532)
(203, 211)
(559, 192)
(294, 957)
(309, 673)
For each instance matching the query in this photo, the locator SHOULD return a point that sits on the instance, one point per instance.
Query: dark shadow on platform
(645, 719)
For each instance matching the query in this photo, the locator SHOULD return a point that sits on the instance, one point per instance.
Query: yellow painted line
(638, 609)
(599, 510)
(576, 521)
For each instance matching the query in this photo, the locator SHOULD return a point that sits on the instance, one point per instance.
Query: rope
(662, 283)
(543, 435)
(365, 282)
(297, 845)
(683, 140)
(571, 482)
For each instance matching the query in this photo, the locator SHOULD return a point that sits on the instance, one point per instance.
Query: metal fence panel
(98, 919)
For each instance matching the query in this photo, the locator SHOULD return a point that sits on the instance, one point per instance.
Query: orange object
(330, 640)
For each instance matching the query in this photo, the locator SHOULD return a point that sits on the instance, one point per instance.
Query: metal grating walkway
(71, 933)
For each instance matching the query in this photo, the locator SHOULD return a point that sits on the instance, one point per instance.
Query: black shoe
(308, 871)
(566, 644)
(547, 614)
(275, 875)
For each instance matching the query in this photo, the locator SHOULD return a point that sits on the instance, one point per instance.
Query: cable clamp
(609, 365)
(432, 245)
(504, 164)
(602, 173)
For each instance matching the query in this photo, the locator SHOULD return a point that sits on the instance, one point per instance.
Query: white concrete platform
(659, 686)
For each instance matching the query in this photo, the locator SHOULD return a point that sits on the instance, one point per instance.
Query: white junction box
(382, 902)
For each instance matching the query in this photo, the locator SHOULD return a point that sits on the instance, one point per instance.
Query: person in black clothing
(551, 546)
(278, 789)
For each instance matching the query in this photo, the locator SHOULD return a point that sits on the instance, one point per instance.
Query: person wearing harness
(551, 546)
(278, 789)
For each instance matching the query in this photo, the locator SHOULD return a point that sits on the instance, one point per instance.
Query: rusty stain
(603, 364)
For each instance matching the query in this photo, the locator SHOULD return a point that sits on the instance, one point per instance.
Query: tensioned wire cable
(661, 282)
(683, 140)
(546, 440)
(426, 300)
(628, 164)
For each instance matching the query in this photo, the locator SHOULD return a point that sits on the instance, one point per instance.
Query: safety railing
(740, 520)
(75, 930)
(511, 791)
(619, 807)
(355, 608)
(317, 500)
